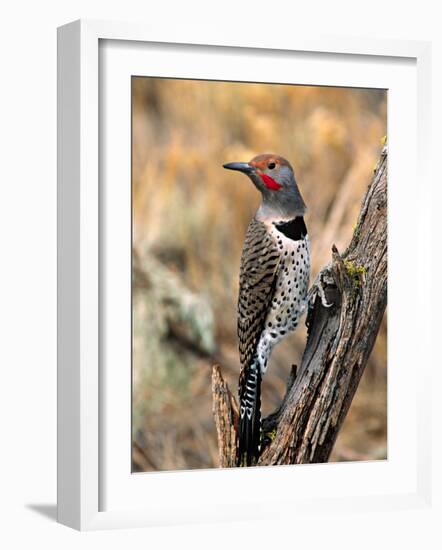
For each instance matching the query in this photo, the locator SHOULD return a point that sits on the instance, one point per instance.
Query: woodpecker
(273, 283)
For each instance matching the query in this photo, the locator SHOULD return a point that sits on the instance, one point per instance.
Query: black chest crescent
(293, 229)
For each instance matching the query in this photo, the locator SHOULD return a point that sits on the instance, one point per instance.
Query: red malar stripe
(270, 183)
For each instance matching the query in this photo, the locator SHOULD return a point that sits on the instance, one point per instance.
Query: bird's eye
(271, 165)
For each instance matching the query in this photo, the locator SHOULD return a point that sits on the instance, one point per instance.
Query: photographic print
(259, 274)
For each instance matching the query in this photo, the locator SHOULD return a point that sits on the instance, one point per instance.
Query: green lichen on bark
(356, 273)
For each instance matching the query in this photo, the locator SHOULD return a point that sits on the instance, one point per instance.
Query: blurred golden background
(189, 221)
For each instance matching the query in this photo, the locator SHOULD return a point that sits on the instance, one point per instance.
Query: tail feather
(250, 418)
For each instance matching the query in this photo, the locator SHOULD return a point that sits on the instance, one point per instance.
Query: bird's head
(274, 177)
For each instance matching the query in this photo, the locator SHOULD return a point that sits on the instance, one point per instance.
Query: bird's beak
(240, 166)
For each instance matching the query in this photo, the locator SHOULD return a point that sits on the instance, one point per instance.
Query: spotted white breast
(289, 298)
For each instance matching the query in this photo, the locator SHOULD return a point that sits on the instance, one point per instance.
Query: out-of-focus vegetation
(189, 221)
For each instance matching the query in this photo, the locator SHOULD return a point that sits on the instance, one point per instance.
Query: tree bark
(340, 338)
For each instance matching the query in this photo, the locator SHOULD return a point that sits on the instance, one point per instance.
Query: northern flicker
(274, 276)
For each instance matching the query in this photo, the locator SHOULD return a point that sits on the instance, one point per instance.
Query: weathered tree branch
(340, 338)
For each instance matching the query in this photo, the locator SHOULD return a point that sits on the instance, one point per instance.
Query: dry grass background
(189, 221)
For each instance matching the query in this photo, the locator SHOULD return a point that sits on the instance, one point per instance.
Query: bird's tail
(250, 417)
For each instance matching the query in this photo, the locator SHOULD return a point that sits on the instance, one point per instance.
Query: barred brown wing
(258, 274)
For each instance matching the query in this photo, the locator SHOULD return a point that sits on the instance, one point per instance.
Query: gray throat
(281, 205)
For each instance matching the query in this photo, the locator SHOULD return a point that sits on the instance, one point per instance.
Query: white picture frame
(84, 443)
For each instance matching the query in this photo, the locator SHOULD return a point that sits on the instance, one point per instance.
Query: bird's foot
(267, 437)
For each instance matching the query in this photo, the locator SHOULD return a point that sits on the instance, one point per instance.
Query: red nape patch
(270, 183)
